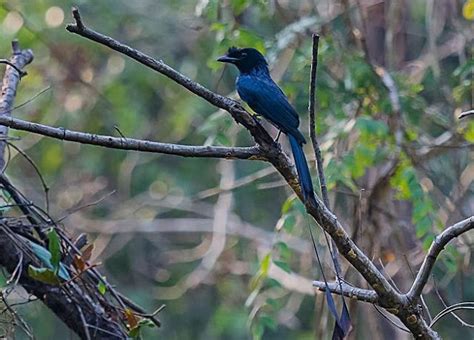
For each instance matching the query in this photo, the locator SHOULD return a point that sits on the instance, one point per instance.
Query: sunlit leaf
(45, 275)
(131, 318)
(101, 286)
(87, 252)
(54, 246)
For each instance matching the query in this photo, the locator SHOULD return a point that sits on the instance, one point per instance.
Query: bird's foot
(278, 136)
(235, 104)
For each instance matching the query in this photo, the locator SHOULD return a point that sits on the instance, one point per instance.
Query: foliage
(93, 89)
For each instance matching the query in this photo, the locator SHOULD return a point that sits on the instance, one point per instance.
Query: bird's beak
(226, 59)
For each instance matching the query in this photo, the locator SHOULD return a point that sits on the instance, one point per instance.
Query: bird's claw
(236, 105)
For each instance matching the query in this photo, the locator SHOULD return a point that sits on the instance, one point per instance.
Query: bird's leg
(278, 136)
(256, 118)
(237, 105)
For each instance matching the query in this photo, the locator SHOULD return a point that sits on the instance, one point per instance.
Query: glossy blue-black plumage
(259, 91)
(262, 94)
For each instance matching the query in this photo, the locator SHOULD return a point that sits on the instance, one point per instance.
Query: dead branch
(124, 143)
(360, 294)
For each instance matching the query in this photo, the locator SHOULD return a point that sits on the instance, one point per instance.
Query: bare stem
(312, 121)
(360, 294)
(123, 143)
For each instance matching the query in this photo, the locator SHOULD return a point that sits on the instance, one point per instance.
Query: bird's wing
(267, 99)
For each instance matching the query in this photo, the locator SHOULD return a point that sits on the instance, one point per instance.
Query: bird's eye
(244, 54)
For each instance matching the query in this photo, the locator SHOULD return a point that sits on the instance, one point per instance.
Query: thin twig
(84, 323)
(9, 63)
(84, 206)
(319, 161)
(225, 103)
(461, 321)
(312, 122)
(400, 327)
(38, 172)
(32, 98)
(23, 324)
(449, 310)
(360, 294)
(466, 113)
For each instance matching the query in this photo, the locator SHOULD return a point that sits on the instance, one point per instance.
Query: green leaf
(285, 208)
(289, 223)
(45, 257)
(371, 126)
(283, 265)
(239, 6)
(427, 242)
(256, 281)
(469, 132)
(146, 323)
(257, 331)
(134, 332)
(267, 321)
(54, 246)
(423, 226)
(101, 287)
(43, 275)
(265, 265)
(283, 249)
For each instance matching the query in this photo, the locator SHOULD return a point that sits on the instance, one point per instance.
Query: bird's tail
(304, 175)
(343, 323)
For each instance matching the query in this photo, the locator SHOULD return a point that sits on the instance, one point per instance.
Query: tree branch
(11, 79)
(435, 249)
(227, 104)
(388, 297)
(270, 149)
(466, 113)
(122, 143)
(16, 240)
(360, 294)
(312, 121)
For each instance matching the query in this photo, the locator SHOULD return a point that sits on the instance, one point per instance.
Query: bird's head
(246, 59)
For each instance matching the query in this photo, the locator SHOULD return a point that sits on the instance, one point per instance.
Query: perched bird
(256, 87)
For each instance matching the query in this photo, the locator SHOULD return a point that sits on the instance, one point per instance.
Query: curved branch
(466, 113)
(360, 294)
(122, 143)
(436, 247)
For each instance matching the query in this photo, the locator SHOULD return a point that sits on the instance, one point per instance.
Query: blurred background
(224, 244)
